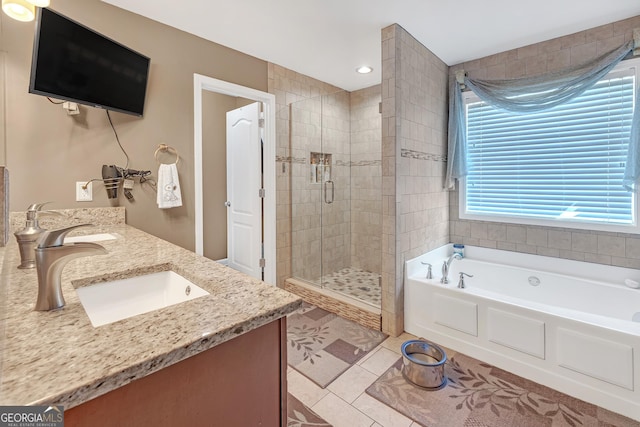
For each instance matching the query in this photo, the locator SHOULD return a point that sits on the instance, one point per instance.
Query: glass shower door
(323, 211)
(320, 181)
(305, 133)
(336, 203)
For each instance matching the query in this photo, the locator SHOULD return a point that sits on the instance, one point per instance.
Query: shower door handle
(328, 200)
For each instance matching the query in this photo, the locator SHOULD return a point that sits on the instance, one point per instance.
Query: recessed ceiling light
(20, 10)
(364, 69)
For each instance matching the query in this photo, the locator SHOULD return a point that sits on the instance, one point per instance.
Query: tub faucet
(446, 265)
(52, 255)
(461, 284)
(429, 273)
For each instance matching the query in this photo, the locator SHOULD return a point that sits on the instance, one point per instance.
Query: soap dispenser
(28, 237)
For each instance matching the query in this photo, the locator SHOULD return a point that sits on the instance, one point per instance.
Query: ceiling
(328, 39)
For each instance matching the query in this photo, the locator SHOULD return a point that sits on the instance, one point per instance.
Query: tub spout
(445, 267)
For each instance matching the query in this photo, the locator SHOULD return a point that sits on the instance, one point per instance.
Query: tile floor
(344, 402)
(356, 283)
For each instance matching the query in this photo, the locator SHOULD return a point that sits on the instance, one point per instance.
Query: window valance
(532, 94)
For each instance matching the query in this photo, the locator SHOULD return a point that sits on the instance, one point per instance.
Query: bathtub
(570, 325)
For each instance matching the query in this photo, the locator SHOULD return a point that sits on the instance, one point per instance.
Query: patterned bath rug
(299, 415)
(480, 395)
(323, 345)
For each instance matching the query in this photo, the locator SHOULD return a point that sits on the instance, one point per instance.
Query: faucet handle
(52, 238)
(34, 211)
(461, 279)
(36, 206)
(429, 272)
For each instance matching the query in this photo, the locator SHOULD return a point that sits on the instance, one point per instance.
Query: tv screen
(74, 63)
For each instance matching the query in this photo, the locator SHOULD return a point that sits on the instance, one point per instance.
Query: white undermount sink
(101, 237)
(109, 302)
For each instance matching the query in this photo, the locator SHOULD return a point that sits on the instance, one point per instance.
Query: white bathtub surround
(566, 324)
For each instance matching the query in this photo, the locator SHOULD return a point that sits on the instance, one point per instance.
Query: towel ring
(167, 148)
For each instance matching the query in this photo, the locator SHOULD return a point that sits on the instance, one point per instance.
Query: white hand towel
(169, 195)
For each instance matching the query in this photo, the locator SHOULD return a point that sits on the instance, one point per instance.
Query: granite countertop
(58, 357)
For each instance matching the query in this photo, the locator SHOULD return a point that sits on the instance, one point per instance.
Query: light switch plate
(82, 194)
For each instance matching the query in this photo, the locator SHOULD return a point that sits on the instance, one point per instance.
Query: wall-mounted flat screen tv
(74, 63)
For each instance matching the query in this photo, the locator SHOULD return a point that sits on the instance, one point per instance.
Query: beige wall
(415, 210)
(48, 151)
(593, 246)
(214, 176)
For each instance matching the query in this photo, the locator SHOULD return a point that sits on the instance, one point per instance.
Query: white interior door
(244, 182)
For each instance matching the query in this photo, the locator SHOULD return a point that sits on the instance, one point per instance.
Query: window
(561, 167)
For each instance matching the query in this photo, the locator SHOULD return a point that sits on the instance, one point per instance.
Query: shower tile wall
(415, 208)
(593, 246)
(366, 179)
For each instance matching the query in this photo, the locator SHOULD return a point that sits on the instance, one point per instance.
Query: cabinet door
(237, 383)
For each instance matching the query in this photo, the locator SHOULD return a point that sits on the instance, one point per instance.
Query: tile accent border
(366, 163)
(289, 159)
(303, 161)
(413, 154)
(341, 308)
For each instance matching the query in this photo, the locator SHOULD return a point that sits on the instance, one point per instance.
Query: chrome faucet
(446, 265)
(461, 284)
(429, 273)
(52, 255)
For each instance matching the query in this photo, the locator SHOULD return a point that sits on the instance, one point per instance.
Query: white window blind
(564, 164)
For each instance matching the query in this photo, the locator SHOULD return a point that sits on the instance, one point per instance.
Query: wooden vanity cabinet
(241, 382)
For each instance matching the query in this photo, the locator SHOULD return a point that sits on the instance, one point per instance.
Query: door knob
(227, 203)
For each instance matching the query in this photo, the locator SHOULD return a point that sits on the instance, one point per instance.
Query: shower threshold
(336, 302)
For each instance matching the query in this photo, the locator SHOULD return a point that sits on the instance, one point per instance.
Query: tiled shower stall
(336, 193)
(329, 192)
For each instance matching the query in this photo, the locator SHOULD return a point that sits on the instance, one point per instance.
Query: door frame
(268, 100)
